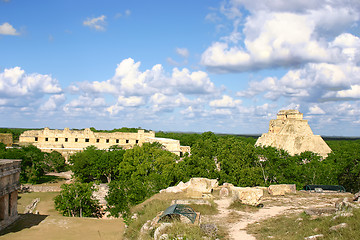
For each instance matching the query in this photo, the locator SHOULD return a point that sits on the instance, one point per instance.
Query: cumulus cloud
(313, 83)
(15, 83)
(280, 33)
(316, 110)
(53, 102)
(8, 29)
(97, 23)
(148, 92)
(86, 106)
(25, 95)
(129, 80)
(225, 102)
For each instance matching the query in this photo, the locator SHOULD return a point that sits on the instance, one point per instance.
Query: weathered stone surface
(175, 189)
(191, 201)
(101, 192)
(345, 205)
(159, 231)
(194, 187)
(320, 211)
(281, 189)
(202, 185)
(339, 226)
(293, 134)
(314, 237)
(357, 197)
(9, 185)
(146, 227)
(210, 229)
(30, 208)
(224, 192)
(247, 195)
(71, 141)
(39, 188)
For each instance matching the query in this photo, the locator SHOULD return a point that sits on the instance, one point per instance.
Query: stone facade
(69, 141)
(9, 185)
(293, 134)
(6, 138)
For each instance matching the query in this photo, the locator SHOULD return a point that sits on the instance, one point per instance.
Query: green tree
(76, 200)
(93, 164)
(54, 162)
(143, 172)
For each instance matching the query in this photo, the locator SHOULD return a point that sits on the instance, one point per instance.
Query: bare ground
(236, 221)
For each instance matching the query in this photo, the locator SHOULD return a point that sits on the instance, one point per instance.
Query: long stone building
(293, 134)
(70, 141)
(9, 186)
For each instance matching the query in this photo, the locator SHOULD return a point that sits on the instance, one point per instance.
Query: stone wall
(69, 141)
(293, 134)
(9, 185)
(6, 138)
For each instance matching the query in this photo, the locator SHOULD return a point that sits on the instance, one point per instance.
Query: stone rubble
(281, 189)
(30, 208)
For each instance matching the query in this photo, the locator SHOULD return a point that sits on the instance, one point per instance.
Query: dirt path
(237, 229)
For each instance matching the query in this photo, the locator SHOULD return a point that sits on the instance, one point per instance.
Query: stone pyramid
(293, 134)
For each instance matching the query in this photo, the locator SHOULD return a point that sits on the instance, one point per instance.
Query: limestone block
(159, 231)
(338, 227)
(247, 195)
(201, 185)
(175, 189)
(281, 189)
(224, 192)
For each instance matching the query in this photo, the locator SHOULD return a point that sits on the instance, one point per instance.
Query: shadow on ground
(25, 221)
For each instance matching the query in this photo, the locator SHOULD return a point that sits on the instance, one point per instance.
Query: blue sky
(224, 66)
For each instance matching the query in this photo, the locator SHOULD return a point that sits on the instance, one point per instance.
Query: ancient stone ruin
(69, 141)
(292, 133)
(9, 185)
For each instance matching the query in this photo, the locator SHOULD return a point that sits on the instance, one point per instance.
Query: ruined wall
(9, 185)
(6, 138)
(293, 134)
(69, 141)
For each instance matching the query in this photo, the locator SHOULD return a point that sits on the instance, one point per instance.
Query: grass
(299, 226)
(159, 202)
(205, 209)
(186, 231)
(48, 179)
(237, 205)
(45, 206)
(49, 224)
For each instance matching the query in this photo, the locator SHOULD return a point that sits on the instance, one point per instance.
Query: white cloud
(133, 101)
(313, 83)
(278, 34)
(316, 110)
(15, 83)
(225, 102)
(97, 23)
(129, 81)
(53, 102)
(354, 92)
(127, 12)
(191, 83)
(183, 52)
(221, 111)
(8, 29)
(86, 106)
